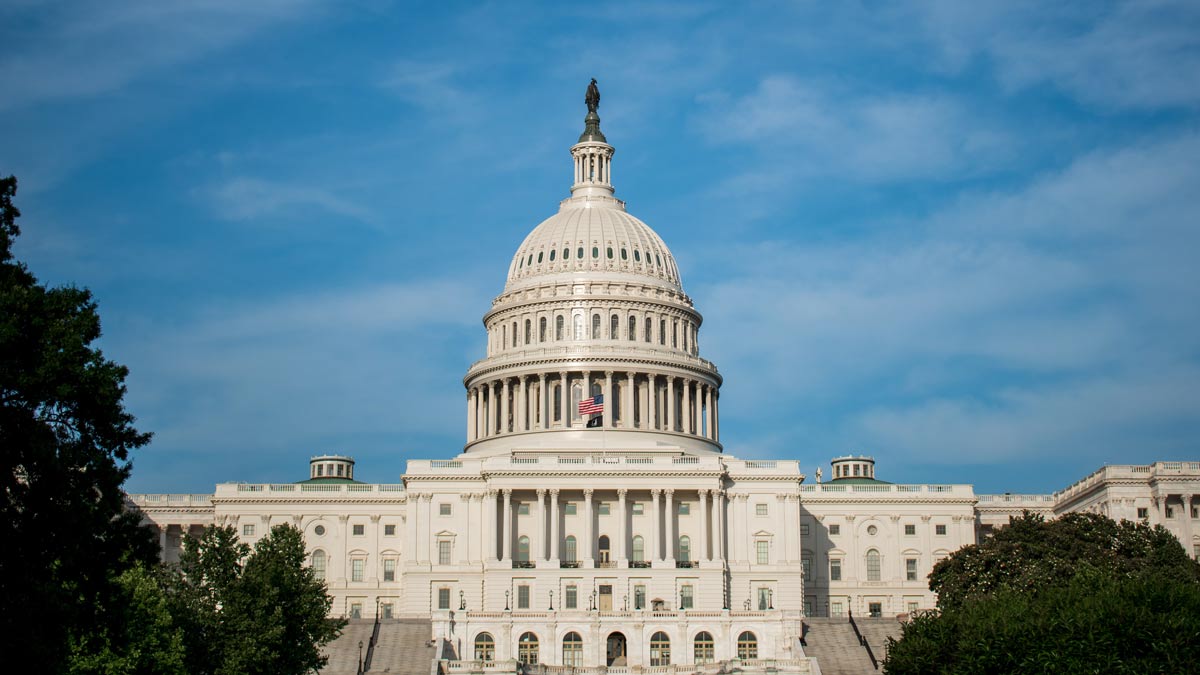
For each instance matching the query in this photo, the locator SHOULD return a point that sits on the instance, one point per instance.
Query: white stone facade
(628, 538)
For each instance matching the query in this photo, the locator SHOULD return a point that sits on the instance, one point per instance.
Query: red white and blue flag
(592, 406)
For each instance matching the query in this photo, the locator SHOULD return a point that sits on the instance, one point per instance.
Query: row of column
(593, 165)
(1186, 531)
(662, 548)
(649, 401)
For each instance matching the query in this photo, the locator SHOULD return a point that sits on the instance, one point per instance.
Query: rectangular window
(389, 530)
(356, 610)
(806, 568)
(1170, 512)
(443, 598)
(639, 597)
(387, 610)
(939, 530)
(684, 508)
(444, 552)
(569, 508)
(760, 509)
(1195, 512)
(913, 606)
(764, 598)
(389, 569)
(248, 530)
(910, 569)
(356, 569)
(572, 597)
(522, 597)
(1143, 513)
(835, 529)
(803, 530)
(359, 530)
(809, 604)
(910, 529)
(603, 508)
(638, 508)
(764, 552)
(835, 570)
(686, 599)
(523, 509)
(836, 608)
(443, 509)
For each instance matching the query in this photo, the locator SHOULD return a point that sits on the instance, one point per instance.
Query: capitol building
(593, 519)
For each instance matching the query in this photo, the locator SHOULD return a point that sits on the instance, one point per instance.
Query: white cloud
(246, 198)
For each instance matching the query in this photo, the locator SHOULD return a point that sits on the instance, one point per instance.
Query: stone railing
(310, 490)
(175, 500)
(788, 666)
(834, 489)
(1034, 500)
(1127, 472)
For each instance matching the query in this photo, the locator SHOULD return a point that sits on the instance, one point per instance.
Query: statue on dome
(592, 99)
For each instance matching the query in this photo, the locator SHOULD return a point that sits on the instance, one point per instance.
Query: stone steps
(877, 631)
(343, 652)
(404, 647)
(835, 646)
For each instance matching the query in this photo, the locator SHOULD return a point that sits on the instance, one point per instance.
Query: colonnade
(593, 164)
(547, 518)
(632, 400)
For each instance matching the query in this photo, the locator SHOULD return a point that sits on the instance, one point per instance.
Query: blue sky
(959, 236)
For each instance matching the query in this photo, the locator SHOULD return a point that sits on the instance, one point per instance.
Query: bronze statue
(592, 99)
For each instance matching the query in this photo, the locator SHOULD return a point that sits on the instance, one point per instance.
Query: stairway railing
(863, 641)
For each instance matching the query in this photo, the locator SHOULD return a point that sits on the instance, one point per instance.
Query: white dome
(593, 235)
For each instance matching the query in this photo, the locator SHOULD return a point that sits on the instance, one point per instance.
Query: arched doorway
(616, 649)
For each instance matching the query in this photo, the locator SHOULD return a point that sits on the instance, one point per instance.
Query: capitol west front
(625, 539)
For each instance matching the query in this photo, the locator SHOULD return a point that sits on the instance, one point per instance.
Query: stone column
(704, 554)
(537, 545)
(610, 404)
(670, 552)
(719, 524)
(1187, 525)
(554, 518)
(589, 546)
(716, 416)
(463, 543)
(622, 535)
(522, 405)
(655, 549)
(652, 410)
(491, 409)
(489, 526)
(504, 408)
(784, 517)
(670, 403)
(628, 421)
(506, 519)
(708, 425)
(542, 401)
(426, 526)
(162, 542)
(565, 399)
(410, 527)
(470, 415)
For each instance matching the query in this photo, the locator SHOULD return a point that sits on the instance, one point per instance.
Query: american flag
(592, 406)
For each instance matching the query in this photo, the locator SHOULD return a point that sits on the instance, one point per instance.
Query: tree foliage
(1031, 553)
(1080, 594)
(259, 611)
(65, 439)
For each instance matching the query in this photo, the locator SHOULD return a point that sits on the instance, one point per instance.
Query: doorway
(875, 609)
(616, 649)
(606, 598)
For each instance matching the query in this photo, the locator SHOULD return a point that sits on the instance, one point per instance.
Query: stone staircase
(877, 631)
(832, 642)
(404, 647)
(343, 652)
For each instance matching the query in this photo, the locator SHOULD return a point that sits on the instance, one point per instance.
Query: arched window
(503, 337)
(703, 647)
(872, 565)
(632, 328)
(685, 548)
(318, 564)
(614, 327)
(675, 334)
(595, 251)
(747, 647)
(595, 326)
(687, 328)
(566, 253)
(604, 548)
(662, 332)
(569, 555)
(528, 331)
(552, 255)
(646, 333)
(578, 326)
(558, 327)
(639, 549)
(576, 397)
(609, 251)
(624, 254)
(542, 329)
(523, 548)
(660, 649)
(516, 338)
(527, 649)
(572, 646)
(557, 402)
(485, 647)
(579, 253)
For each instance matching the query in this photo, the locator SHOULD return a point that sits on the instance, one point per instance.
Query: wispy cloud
(246, 198)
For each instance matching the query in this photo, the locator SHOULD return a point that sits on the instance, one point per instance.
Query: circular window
(871, 530)
(319, 530)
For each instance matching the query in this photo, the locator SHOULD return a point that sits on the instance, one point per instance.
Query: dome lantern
(592, 154)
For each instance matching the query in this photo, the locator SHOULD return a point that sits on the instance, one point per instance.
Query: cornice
(553, 364)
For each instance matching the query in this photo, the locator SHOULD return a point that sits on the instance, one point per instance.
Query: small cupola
(853, 466)
(331, 466)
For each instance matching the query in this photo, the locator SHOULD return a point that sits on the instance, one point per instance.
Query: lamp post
(506, 600)
(625, 607)
(747, 604)
(360, 661)
(592, 602)
(462, 600)
(551, 601)
(770, 599)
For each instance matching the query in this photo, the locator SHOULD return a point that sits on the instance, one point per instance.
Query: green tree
(259, 611)
(1080, 594)
(1031, 553)
(65, 439)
